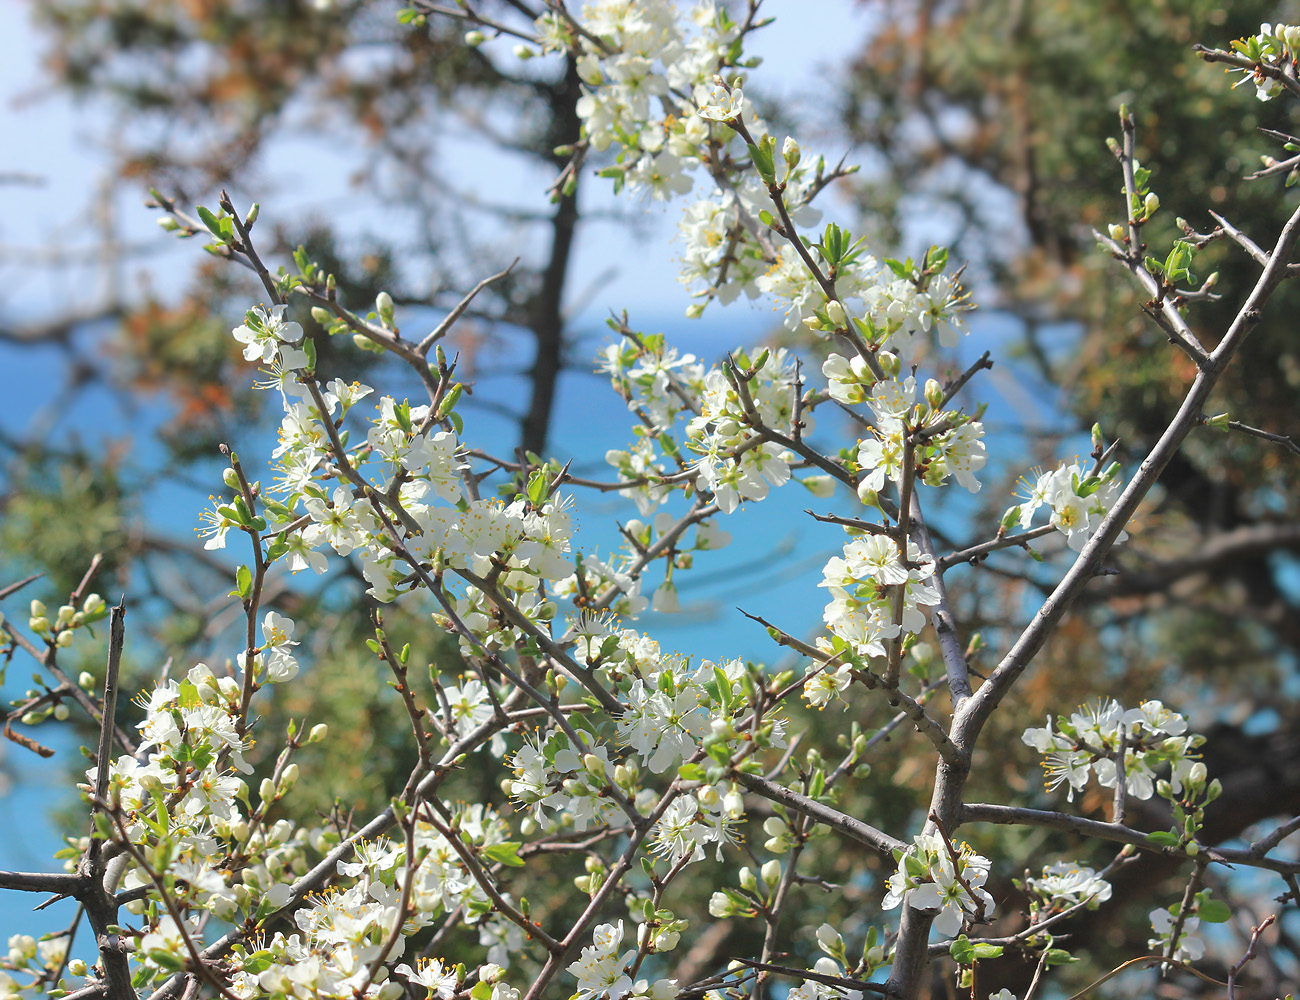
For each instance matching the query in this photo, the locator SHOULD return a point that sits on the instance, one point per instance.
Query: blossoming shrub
(642, 763)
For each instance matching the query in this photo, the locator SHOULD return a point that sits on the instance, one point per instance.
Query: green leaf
(1213, 911)
(209, 220)
(763, 163)
(449, 402)
(243, 583)
(538, 484)
(1059, 956)
(143, 976)
(258, 961)
(505, 854)
(1164, 838)
(962, 951)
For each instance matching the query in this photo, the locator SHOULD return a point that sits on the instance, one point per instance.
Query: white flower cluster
(1065, 884)
(861, 585)
(654, 379)
(341, 933)
(834, 964)
(1077, 499)
(602, 972)
(945, 443)
(670, 710)
(178, 800)
(409, 452)
(736, 462)
(932, 877)
(38, 959)
(644, 73)
(1277, 47)
(1088, 743)
(653, 96)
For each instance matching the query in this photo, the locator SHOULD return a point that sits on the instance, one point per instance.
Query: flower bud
(790, 151)
(22, 947)
(318, 732)
(812, 323)
(665, 599)
(1150, 204)
(594, 765)
(720, 905)
(771, 873)
(1116, 231)
(835, 312)
(933, 393)
(61, 712)
(475, 38)
(77, 967)
(708, 796)
(86, 680)
(64, 640)
(747, 880)
(38, 609)
(1197, 774)
(266, 790)
(288, 779)
(231, 478)
(889, 364)
(64, 618)
(384, 306)
(829, 940)
(867, 495)
(523, 52)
